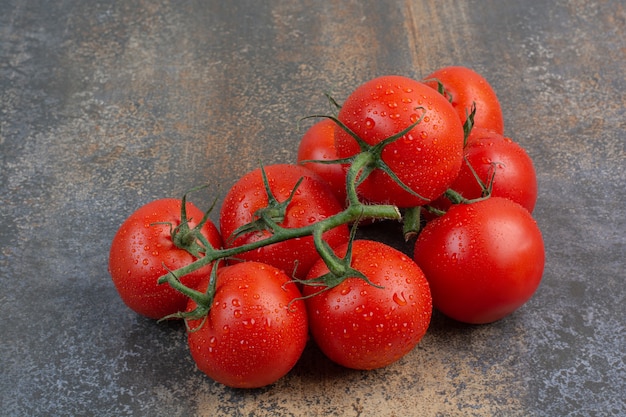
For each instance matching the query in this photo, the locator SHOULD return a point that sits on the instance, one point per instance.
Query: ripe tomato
(312, 202)
(252, 335)
(141, 248)
(361, 326)
(464, 86)
(426, 159)
(483, 260)
(318, 143)
(492, 154)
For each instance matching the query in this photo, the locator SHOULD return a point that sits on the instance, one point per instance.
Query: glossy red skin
(314, 201)
(360, 326)
(252, 336)
(483, 260)
(466, 86)
(427, 159)
(515, 176)
(318, 143)
(141, 247)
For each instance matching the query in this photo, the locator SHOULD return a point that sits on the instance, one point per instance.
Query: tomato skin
(427, 159)
(252, 336)
(314, 201)
(515, 177)
(318, 143)
(466, 86)
(360, 326)
(141, 247)
(483, 260)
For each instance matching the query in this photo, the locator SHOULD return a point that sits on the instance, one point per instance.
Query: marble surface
(107, 105)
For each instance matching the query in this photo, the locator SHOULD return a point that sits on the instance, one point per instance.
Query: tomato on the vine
(465, 87)
(501, 165)
(483, 260)
(318, 143)
(144, 248)
(312, 201)
(426, 159)
(362, 326)
(256, 329)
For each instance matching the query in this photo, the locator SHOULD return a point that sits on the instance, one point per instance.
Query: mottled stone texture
(106, 105)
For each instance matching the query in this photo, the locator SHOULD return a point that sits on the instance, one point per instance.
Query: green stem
(355, 211)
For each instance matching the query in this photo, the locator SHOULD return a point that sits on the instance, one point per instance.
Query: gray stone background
(107, 105)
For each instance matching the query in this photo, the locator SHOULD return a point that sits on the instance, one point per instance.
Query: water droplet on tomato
(235, 302)
(145, 261)
(237, 314)
(369, 123)
(399, 299)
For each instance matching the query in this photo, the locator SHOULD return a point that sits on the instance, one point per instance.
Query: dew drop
(369, 123)
(399, 299)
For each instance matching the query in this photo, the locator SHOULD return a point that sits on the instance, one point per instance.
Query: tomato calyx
(269, 217)
(441, 88)
(468, 125)
(187, 238)
(339, 268)
(370, 157)
(203, 300)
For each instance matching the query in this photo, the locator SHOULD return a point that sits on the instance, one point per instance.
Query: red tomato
(426, 159)
(252, 335)
(483, 260)
(318, 143)
(464, 86)
(361, 326)
(491, 154)
(313, 201)
(140, 249)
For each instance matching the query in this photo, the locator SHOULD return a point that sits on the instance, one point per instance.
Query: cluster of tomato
(285, 266)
